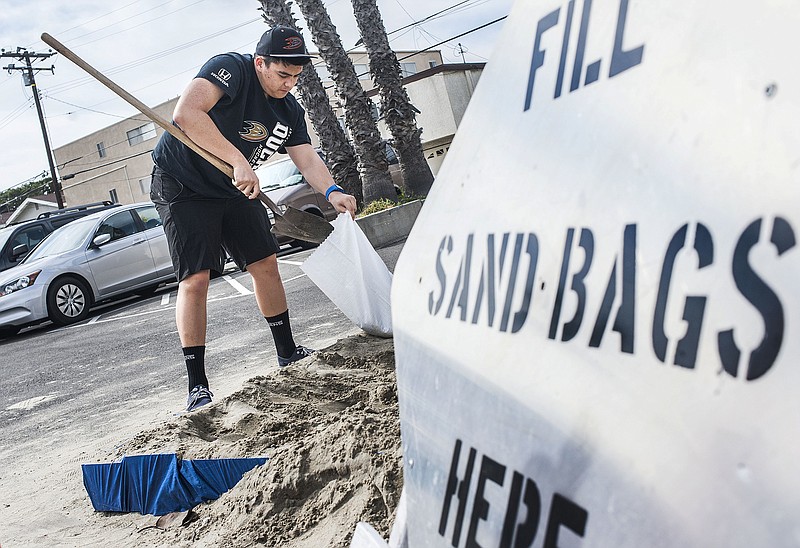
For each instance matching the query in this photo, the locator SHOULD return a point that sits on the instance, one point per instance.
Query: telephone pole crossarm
(23, 55)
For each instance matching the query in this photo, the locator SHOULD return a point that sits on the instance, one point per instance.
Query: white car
(107, 254)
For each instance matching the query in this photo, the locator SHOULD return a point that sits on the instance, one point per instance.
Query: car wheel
(68, 301)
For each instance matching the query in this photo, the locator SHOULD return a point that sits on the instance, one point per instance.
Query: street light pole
(25, 55)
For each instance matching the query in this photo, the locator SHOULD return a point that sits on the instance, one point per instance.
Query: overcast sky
(152, 48)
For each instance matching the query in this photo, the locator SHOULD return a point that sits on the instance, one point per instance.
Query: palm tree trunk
(395, 105)
(339, 154)
(370, 151)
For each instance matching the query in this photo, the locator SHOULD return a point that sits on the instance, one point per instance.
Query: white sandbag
(366, 536)
(353, 276)
(398, 538)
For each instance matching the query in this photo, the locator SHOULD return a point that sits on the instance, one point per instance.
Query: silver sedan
(103, 255)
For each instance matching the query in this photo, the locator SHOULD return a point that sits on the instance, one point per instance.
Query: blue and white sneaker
(198, 397)
(299, 353)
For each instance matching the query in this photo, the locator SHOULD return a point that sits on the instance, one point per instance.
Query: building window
(431, 63)
(141, 134)
(408, 69)
(144, 184)
(101, 149)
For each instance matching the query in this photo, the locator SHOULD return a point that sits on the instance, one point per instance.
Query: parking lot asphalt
(81, 382)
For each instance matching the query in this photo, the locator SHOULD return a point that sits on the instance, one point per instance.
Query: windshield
(66, 238)
(277, 175)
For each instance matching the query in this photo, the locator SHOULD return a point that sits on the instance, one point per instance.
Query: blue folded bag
(160, 484)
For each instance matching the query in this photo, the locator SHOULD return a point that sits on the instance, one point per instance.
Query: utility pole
(461, 51)
(26, 56)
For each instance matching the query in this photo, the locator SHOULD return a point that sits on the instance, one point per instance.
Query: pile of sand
(331, 430)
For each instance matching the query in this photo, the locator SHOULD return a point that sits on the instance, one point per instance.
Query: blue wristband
(333, 188)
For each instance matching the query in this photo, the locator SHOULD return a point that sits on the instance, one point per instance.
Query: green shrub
(379, 205)
(375, 206)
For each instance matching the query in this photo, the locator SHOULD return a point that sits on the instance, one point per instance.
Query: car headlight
(20, 283)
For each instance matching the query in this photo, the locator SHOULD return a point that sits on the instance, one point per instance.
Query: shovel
(293, 222)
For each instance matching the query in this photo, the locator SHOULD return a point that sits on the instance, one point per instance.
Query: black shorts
(198, 229)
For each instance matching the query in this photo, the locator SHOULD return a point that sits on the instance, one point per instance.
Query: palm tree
(396, 107)
(370, 150)
(339, 153)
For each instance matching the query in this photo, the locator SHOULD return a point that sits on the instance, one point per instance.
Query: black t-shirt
(258, 125)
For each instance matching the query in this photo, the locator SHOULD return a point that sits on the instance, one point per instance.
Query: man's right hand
(246, 180)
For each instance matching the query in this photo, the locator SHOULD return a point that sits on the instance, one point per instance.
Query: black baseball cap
(282, 42)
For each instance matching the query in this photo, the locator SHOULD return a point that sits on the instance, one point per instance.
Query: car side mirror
(101, 239)
(19, 251)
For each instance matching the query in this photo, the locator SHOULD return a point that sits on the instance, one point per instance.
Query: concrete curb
(391, 225)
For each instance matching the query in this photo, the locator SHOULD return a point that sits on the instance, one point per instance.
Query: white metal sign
(597, 313)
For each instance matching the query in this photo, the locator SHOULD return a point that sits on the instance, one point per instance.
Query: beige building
(411, 63)
(115, 163)
(441, 94)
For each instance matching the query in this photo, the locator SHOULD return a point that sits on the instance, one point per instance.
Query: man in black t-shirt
(238, 108)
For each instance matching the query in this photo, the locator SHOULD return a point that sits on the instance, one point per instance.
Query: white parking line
(295, 278)
(242, 291)
(165, 299)
(286, 261)
(145, 313)
(237, 286)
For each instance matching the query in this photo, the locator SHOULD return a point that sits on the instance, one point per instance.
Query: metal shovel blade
(301, 226)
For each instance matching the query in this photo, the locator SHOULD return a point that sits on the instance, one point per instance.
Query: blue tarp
(160, 484)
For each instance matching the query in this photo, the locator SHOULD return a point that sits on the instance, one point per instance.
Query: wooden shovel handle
(173, 130)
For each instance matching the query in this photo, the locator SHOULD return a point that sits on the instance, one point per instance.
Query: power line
(118, 21)
(71, 84)
(89, 21)
(455, 37)
(139, 24)
(432, 16)
(112, 162)
(190, 69)
(455, 8)
(32, 178)
(16, 113)
(439, 44)
(194, 42)
(91, 110)
(411, 26)
(402, 7)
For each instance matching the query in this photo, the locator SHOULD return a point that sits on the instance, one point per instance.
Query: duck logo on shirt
(253, 131)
